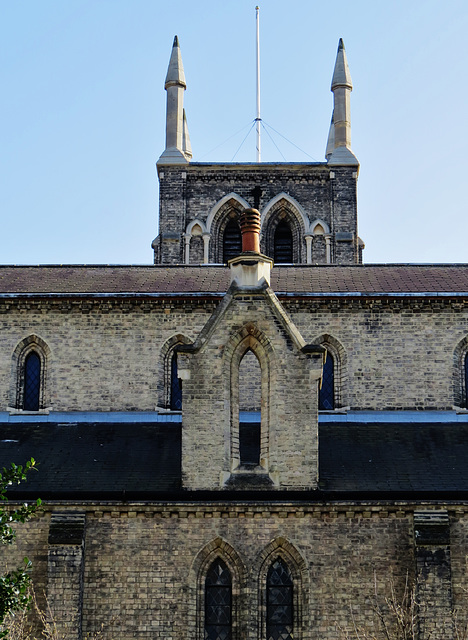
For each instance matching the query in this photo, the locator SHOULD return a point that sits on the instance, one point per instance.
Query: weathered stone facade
(108, 355)
(174, 414)
(143, 575)
(317, 201)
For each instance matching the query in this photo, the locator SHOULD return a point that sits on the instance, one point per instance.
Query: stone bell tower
(308, 211)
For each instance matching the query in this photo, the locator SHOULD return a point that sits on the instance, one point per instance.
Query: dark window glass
(176, 386)
(279, 602)
(327, 392)
(283, 243)
(249, 443)
(218, 593)
(232, 240)
(466, 380)
(32, 382)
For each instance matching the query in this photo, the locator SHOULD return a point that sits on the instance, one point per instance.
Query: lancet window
(218, 602)
(279, 602)
(32, 382)
(327, 391)
(176, 385)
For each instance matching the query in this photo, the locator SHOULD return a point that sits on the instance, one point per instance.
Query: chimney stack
(250, 269)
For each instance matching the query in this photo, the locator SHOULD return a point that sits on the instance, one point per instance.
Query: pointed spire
(175, 71)
(178, 149)
(341, 74)
(341, 86)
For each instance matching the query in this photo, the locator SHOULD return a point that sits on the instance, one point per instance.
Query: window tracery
(279, 602)
(218, 602)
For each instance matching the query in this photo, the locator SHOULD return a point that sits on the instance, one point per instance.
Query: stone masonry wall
(210, 437)
(106, 356)
(144, 564)
(190, 192)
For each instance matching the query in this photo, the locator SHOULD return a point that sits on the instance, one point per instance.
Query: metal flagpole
(258, 119)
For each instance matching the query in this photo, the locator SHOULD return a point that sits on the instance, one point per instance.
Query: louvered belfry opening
(279, 602)
(218, 602)
(232, 240)
(32, 382)
(283, 243)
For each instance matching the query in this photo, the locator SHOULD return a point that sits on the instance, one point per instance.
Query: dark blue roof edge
(345, 417)
(73, 417)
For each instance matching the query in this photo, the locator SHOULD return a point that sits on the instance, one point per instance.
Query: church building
(257, 437)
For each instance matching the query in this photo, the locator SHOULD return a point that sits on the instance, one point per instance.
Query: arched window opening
(176, 385)
(327, 392)
(32, 382)
(279, 602)
(250, 401)
(232, 240)
(283, 243)
(218, 602)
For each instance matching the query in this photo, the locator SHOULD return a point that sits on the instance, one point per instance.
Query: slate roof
(324, 280)
(123, 461)
(87, 460)
(394, 458)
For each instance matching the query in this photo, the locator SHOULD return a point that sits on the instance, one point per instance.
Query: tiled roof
(143, 461)
(324, 280)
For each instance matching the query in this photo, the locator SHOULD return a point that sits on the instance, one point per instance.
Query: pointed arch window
(32, 382)
(279, 601)
(327, 391)
(283, 243)
(176, 385)
(250, 401)
(218, 602)
(232, 240)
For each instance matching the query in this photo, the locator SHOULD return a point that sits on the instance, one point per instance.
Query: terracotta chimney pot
(249, 222)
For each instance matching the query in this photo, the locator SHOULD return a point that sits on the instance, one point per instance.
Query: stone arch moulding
(297, 208)
(225, 199)
(340, 358)
(249, 338)
(217, 220)
(282, 548)
(195, 225)
(284, 207)
(164, 383)
(321, 223)
(217, 548)
(459, 374)
(24, 347)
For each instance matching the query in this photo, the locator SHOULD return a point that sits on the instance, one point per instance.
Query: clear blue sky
(82, 115)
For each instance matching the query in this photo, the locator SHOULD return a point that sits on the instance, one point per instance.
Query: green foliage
(14, 585)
